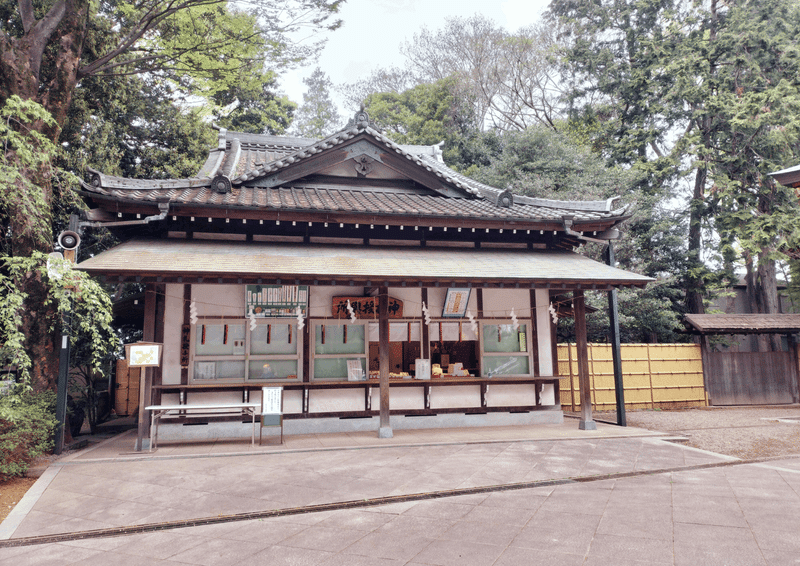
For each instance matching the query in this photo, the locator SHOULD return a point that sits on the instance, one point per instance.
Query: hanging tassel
(290, 334)
(225, 336)
(203, 339)
(323, 333)
(269, 333)
(460, 332)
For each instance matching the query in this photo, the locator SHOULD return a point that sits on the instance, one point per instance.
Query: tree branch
(26, 13)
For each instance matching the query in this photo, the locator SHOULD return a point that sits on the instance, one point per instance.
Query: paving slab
(500, 498)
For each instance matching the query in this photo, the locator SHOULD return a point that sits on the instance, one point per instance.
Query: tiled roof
(352, 200)
(244, 161)
(743, 323)
(170, 258)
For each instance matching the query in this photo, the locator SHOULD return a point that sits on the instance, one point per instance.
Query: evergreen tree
(317, 117)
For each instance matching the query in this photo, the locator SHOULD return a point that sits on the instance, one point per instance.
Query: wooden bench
(157, 412)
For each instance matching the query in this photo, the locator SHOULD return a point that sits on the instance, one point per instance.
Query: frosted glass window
(503, 338)
(222, 369)
(334, 368)
(274, 339)
(506, 365)
(335, 339)
(219, 339)
(273, 369)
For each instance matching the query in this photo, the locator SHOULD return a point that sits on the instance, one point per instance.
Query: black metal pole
(61, 387)
(616, 355)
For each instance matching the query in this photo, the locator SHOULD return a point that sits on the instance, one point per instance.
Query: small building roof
(212, 261)
(743, 323)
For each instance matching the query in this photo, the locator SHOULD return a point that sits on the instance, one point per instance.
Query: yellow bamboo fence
(655, 376)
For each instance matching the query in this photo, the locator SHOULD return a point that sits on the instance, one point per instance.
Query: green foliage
(27, 423)
(76, 300)
(426, 114)
(26, 158)
(543, 163)
(317, 117)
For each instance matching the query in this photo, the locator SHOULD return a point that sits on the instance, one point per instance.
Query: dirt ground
(11, 492)
(743, 432)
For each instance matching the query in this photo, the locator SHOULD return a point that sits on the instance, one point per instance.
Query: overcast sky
(373, 31)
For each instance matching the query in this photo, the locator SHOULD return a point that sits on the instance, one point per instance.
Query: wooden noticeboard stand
(271, 410)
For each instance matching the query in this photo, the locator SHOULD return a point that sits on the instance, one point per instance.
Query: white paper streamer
(514, 321)
(300, 321)
(193, 312)
(553, 313)
(472, 322)
(426, 313)
(351, 311)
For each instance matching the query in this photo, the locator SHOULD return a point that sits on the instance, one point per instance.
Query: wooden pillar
(586, 422)
(385, 430)
(146, 385)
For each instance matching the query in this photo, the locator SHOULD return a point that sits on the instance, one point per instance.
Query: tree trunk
(694, 282)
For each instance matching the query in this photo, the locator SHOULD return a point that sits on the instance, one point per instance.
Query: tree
(317, 117)
(427, 114)
(39, 283)
(198, 46)
(697, 89)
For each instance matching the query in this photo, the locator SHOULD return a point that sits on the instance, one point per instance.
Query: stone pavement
(507, 496)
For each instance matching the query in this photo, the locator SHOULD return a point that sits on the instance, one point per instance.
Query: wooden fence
(655, 376)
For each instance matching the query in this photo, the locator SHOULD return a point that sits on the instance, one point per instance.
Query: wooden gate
(751, 378)
(126, 395)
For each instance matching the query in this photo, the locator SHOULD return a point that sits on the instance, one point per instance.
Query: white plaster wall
(173, 320)
(548, 396)
(219, 300)
(412, 300)
(201, 397)
(510, 395)
(321, 297)
(336, 400)
(451, 397)
(401, 398)
(543, 332)
(497, 303)
(292, 401)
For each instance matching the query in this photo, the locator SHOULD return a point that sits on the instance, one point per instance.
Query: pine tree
(317, 117)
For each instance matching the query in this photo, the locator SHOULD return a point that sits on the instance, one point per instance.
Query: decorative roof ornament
(221, 184)
(362, 121)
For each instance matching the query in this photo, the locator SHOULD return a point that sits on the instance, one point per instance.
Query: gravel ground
(743, 432)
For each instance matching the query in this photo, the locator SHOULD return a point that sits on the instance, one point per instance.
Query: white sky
(374, 30)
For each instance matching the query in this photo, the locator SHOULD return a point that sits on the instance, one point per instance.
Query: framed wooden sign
(364, 307)
(455, 302)
(275, 300)
(144, 354)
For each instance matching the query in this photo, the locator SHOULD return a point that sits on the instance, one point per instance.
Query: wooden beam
(579, 305)
(146, 384)
(385, 430)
